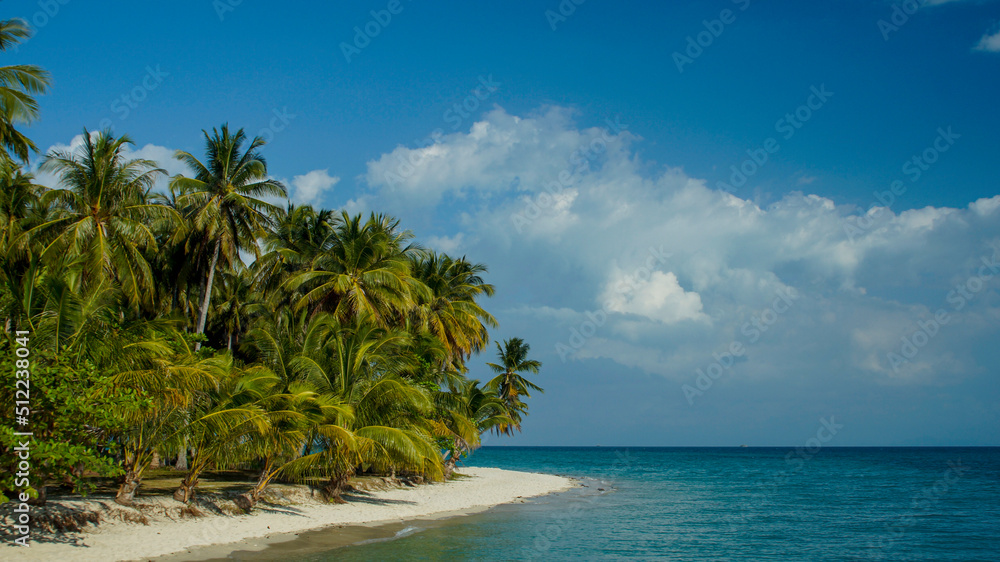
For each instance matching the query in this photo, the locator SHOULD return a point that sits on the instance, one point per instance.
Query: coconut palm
(296, 414)
(359, 363)
(19, 195)
(176, 267)
(451, 312)
(222, 419)
(465, 413)
(347, 342)
(365, 272)
(162, 381)
(19, 200)
(236, 304)
(299, 236)
(103, 213)
(225, 201)
(18, 84)
(509, 384)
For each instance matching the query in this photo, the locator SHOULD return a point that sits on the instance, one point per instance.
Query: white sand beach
(290, 510)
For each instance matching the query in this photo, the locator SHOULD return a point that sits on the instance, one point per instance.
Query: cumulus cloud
(501, 153)
(311, 187)
(659, 297)
(564, 215)
(989, 43)
(447, 244)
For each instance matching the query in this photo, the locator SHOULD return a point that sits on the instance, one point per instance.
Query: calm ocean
(721, 504)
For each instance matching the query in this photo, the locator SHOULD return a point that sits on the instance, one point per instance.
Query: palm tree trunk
(336, 486)
(248, 500)
(185, 492)
(182, 457)
(449, 464)
(207, 297)
(175, 297)
(130, 484)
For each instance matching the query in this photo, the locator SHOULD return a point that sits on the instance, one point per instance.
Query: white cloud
(311, 187)
(447, 244)
(500, 153)
(564, 246)
(659, 297)
(989, 43)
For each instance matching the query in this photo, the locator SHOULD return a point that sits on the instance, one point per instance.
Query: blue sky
(721, 254)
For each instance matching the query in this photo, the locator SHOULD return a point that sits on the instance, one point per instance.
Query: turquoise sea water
(724, 504)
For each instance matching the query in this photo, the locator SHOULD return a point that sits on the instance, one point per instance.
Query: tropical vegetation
(205, 321)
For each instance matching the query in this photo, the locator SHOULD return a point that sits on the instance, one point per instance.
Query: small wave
(407, 531)
(404, 532)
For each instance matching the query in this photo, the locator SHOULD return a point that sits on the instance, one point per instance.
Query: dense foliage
(193, 318)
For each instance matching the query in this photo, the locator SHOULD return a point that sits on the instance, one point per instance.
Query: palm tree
(18, 83)
(19, 194)
(361, 363)
(223, 418)
(357, 363)
(19, 200)
(147, 366)
(451, 313)
(103, 213)
(347, 342)
(300, 235)
(176, 269)
(224, 198)
(365, 272)
(237, 304)
(509, 385)
(465, 413)
(296, 414)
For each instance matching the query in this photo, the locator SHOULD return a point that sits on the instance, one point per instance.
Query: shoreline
(289, 511)
(348, 534)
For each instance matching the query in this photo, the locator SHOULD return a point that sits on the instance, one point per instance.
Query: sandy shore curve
(291, 511)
